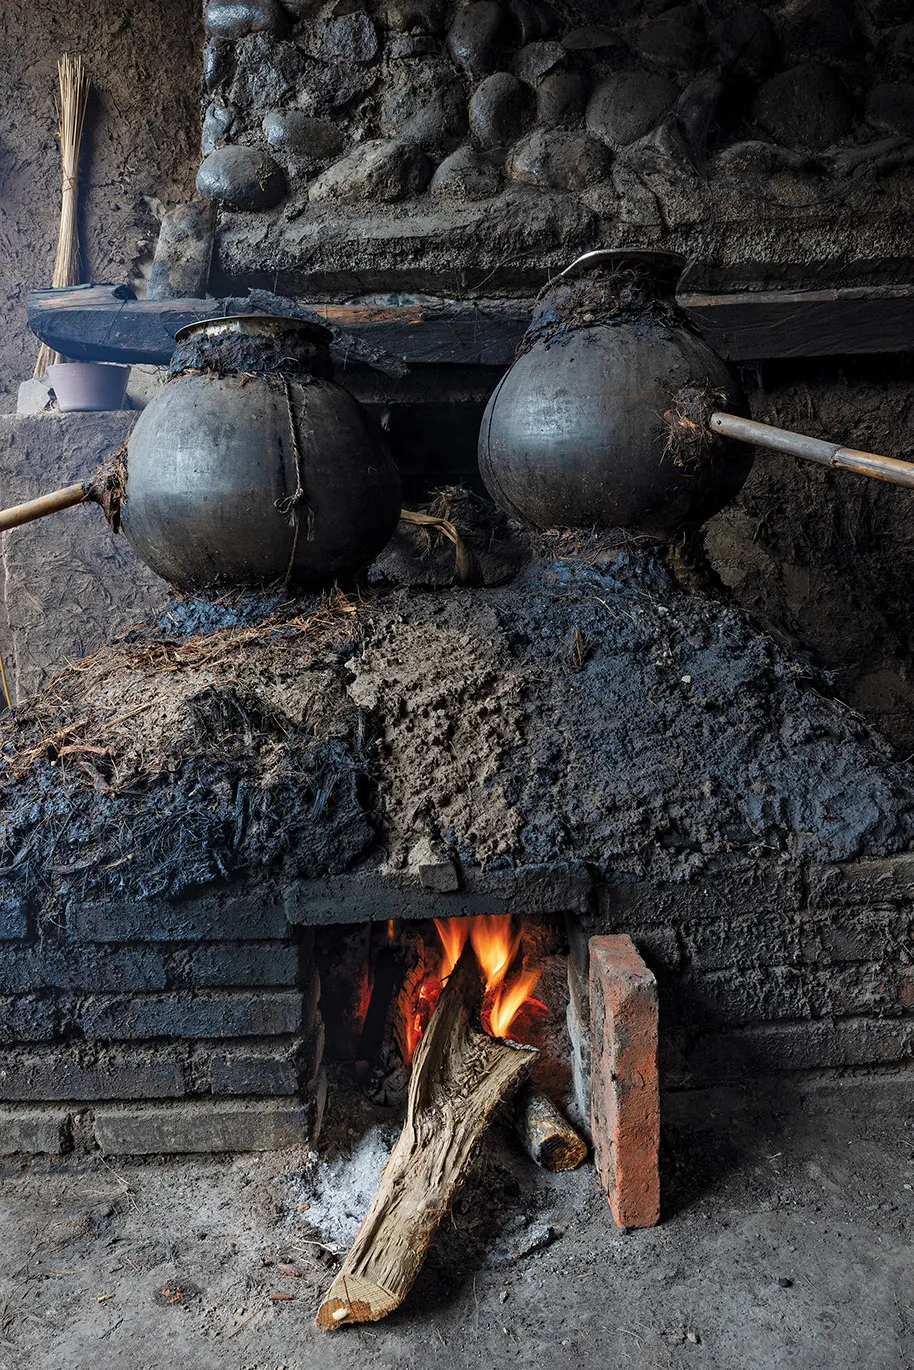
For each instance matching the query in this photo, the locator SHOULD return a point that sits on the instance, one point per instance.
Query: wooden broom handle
(44, 504)
(814, 449)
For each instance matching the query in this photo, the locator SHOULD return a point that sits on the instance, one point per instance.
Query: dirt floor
(786, 1240)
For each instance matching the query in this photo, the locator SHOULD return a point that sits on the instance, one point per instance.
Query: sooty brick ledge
(762, 967)
(256, 1125)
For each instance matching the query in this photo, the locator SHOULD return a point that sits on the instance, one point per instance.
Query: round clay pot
(86, 386)
(574, 434)
(251, 465)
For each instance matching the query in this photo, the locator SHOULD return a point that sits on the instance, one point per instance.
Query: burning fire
(496, 946)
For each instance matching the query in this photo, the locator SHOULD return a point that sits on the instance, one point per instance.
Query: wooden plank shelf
(107, 323)
(104, 323)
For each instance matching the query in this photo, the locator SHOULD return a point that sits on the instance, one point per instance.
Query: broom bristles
(71, 115)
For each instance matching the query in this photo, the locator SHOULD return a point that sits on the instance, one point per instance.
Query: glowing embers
(509, 985)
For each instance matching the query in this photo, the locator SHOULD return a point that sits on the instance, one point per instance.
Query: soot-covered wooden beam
(107, 323)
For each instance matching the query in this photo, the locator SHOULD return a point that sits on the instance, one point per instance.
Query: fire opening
(381, 982)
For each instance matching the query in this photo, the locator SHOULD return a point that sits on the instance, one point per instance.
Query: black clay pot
(574, 435)
(251, 465)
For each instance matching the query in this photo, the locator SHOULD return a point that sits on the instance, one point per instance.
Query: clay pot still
(252, 465)
(574, 436)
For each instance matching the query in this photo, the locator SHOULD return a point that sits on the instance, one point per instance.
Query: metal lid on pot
(257, 326)
(665, 267)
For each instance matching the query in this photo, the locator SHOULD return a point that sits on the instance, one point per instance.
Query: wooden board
(821, 323)
(106, 323)
(102, 323)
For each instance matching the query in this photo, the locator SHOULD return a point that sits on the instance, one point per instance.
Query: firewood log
(459, 1076)
(548, 1138)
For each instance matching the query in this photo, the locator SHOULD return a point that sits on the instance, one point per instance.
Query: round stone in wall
(822, 31)
(674, 42)
(476, 37)
(238, 18)
(499, 110)
(241, 178)
(890, 107)
(628, 105)
(804, 107)
(382, 169)
(217, 123)
(535, 60)
(439, 122)
(558, 160)
(746, 38)
(294, 131)
(560, 99)
(344, 38)
(217, 64)
(465, 175)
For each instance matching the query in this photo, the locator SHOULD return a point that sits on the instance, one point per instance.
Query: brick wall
(775, 968)
(194, 1025)
(179, 1037)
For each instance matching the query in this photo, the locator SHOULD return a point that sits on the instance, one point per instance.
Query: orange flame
(509, 1002)
(496, 946)
(417, 1018)
(453, 933)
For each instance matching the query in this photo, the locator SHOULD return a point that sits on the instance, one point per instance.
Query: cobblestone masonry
(436, 145)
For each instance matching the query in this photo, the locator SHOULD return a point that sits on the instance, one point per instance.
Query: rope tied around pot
(292, 505)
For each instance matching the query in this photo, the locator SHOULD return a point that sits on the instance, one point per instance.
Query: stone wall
(419, 144)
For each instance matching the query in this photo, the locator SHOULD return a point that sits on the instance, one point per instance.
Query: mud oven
(253, 870)
(236, 864)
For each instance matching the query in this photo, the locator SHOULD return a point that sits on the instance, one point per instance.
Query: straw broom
(74, 96)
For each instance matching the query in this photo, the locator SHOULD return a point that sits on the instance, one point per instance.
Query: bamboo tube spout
(32, 509)
(813, 449)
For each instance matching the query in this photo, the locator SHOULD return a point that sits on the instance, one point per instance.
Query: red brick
(625, 1098)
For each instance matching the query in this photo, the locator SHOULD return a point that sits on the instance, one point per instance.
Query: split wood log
(459, 1076)
(548, 1138)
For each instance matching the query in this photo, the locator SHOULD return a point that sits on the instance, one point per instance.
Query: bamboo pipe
(831, 454)
(44, 504)
(814, 449)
